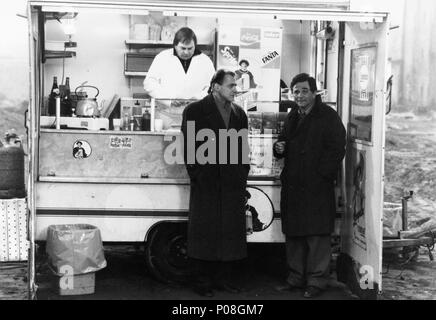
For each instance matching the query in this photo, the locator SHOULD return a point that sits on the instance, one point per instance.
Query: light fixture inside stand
(68, 22)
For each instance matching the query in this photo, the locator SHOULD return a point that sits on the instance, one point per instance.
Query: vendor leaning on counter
(183, 72)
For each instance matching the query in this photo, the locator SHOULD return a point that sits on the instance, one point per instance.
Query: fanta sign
(270, 57)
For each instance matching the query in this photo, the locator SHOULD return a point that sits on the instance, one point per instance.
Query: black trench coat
(216, 228)
(313, 153)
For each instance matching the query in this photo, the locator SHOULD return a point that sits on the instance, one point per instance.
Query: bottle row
(64, 93)
(266, 122)
(134, 122)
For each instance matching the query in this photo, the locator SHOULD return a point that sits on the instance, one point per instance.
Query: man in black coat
(313, 145)
(216, 157)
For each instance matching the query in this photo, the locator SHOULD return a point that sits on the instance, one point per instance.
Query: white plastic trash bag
(392, 219)
(76, 246)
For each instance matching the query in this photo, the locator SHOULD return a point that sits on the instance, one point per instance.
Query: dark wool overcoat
(314, 150)
(216, 228)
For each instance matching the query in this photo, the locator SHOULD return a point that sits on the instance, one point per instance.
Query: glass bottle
(132, 123)
(126, 122)
(146, 120)
(52, 97)
(66, 109)
(249, 221)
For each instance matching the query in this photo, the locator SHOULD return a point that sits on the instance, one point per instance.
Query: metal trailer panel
(141, 156)
(362, 235)
(126, 211)
(342, 5)
(292, 10)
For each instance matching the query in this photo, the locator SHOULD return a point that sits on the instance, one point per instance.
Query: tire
(166, 253)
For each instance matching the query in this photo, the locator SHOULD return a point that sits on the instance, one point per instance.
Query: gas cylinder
(12, 172)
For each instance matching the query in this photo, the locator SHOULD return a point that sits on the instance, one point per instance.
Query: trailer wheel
(166, 253)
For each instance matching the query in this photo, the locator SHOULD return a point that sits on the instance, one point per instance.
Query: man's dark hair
(303, 77)
(219, 76)
(244, 61)
(184, 35)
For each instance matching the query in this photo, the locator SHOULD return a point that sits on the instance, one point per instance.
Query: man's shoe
(287, 287)
(227, 287)
(204, 291)
(312, 292)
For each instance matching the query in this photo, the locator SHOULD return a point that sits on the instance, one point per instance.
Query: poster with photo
(363, 71)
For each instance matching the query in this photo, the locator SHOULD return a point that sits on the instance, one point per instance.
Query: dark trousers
(211, 273)
(308, 259)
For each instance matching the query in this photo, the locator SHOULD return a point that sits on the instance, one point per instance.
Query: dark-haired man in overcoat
(217, 225)
(313, 146)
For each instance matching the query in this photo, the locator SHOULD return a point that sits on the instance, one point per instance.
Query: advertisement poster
(262, 160)
(363, 71)
(356, 183)
(250, 38)
(361, 232)
(261, 156)
(261, 49)
(228, 56)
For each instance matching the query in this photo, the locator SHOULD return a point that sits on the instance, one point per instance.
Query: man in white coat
(183, 72)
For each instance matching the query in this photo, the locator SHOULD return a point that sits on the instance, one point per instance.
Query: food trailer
(96, 162)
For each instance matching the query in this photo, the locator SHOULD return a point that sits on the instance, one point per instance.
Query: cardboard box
(71, 285)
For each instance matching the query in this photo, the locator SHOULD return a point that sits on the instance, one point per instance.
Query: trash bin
(78, 246)
(75, 252)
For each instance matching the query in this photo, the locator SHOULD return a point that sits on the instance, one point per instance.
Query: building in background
(417, 65)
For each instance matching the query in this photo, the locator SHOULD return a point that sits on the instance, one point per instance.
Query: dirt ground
(127, 277)
(13, 281)
(414, 280)
(410, 165)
